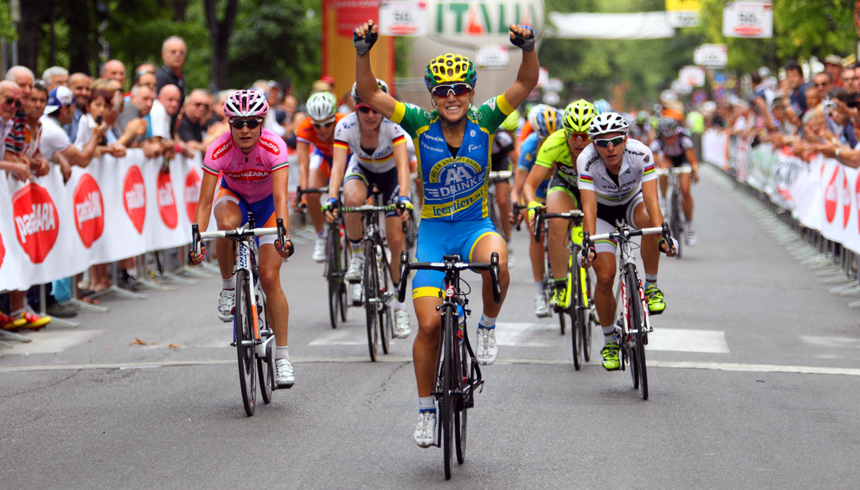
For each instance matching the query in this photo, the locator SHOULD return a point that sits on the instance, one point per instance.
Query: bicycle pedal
(233, 344)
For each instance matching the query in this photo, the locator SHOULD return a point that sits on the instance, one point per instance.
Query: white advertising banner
(400, 18)
(711, 55)
(748, 19)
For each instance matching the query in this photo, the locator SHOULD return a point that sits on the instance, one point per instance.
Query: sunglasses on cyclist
(458, 89)
(241, 123)
(323, 125)
(577, 136)
(604, 143)
(365, 110)
(10, 101)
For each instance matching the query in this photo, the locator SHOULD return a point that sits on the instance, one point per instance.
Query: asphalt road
(753, 373)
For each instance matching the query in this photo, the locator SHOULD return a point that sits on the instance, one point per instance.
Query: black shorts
(559, 183)
(386, 182)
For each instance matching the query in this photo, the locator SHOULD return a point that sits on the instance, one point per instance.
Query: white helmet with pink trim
(246, 103)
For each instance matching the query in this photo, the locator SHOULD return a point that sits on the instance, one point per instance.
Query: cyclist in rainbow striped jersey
(453, 144)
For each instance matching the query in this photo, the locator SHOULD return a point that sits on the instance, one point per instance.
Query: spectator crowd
(68, 119)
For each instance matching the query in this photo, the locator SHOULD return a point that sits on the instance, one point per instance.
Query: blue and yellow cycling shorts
(437, 239)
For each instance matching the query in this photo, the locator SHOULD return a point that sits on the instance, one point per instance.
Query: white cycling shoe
(487, 348)
(425, 432)
(511, 259)
(225, 305)
(356, 268)
(401, 324)
(691, 238)
(319, 250)
(285, 376)
(541, 308)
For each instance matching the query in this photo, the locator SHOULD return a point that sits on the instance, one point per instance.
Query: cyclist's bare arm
(536, 175)
(280, 194)
(401, 163)
(204, 202)
(520, 177)
(527, 76)
(368, 89)
(338, 169)
(304, 153)
(694, 162)
(649, 194)
(589, 210)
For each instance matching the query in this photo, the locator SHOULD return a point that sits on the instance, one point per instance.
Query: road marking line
(518, 334)
(688, 340)
(711, 366)
(838, 342)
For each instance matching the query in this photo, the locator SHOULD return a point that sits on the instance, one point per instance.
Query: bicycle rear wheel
(637, 324)
(591, 320)
(266, 364)
(578, 312)
(244, 328)
(371, 304)
(447, 404)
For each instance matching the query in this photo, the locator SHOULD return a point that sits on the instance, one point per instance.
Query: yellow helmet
(450, 68)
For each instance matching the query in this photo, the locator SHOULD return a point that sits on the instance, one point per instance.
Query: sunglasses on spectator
(200, 104)
(577, 136)
(458, 89)
(241, 123)
(324, 125)
(823, 84)
(365, 110)
(10, 101)
(604, 143)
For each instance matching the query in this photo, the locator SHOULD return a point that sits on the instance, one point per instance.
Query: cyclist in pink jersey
(253, 162)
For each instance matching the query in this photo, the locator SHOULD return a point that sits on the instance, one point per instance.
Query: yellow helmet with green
(450, 68)
(512, 122)
(578, 115)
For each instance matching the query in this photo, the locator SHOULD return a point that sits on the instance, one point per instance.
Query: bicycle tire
(447, 406)
(386, 316)
(675, 225)
(333, 278)
(346, 251)
(244, 328)
(637, 322)
(577, 318)
(591, 317)
(371, 289)
(266, 371)
(461, 414)
(494, 215)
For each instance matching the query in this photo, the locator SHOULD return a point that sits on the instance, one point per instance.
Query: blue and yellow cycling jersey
(455, 188)
(528, 156)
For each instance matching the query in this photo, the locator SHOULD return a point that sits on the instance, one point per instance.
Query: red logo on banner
(831, 198)
(36, 221)
(192, 193)
(846, 201)
(351, 13)
(166, 202)
(2, 251)
(89, 210)
(134, 197)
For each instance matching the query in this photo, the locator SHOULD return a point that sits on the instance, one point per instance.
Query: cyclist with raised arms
(453, 144)
(559, 153)
(255, 176)
(380, 158)
(547, 120)
(618, 186)
(315, 166)
(674, 148)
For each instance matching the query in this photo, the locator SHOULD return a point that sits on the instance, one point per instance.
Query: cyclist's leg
(559, 200)
(604, 297)
(354, 194)
(318, 177)
(482, 243)
(685, 181)
(228, 216)
(650, 254)
(664, 163)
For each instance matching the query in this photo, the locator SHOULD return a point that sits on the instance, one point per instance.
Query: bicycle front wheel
(637, 326)
(460, 416)
(333, 276)
(371, 300)
(345, 252)
(578, 313)
(386, 315)
(243, 325)
(446, 406)
(591, 319)
(675, 223)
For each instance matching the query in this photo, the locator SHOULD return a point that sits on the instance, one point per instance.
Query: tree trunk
(29, 33)
(179, 7)
(219, 35)
(83, 50)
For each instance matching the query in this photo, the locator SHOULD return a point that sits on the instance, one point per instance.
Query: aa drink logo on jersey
(192, 193)
(134, 197)
(89, 210)
(37, 223)
(831, 198)
(453, 185)
(166, 201)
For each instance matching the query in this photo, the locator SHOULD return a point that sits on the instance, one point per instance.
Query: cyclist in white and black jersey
(503, 153)
(380, 158)
(617, 185)
(674, 148)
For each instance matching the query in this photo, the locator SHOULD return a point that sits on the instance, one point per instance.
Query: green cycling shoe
(610, 357)
(656, 305)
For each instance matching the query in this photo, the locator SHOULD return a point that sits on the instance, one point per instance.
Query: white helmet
(608, 122)
(321, 107)
(380, 83)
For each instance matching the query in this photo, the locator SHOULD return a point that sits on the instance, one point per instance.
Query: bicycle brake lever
(404, 269)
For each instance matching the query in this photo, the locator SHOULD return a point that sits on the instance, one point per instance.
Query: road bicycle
(633, 324)
(458, 375)
(336, 263)
(253, 337)
(677, 223)
(577, 303)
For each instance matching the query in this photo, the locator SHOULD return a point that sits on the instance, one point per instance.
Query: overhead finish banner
(683, 13)
(644, 25)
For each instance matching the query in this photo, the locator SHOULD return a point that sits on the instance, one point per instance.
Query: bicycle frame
(622, 296)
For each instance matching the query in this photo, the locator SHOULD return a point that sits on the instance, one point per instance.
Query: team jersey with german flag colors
(455, 188)
(637, 166)
(347, 135)
(555, 153)
(249, 175)
(305, 133)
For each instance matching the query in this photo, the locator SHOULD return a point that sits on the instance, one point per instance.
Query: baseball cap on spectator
(327, 79)
(321, 86)
(59, 97)
(833, 59)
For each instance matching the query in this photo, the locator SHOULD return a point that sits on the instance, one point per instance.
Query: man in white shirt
(55, 144)
(163, 109)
